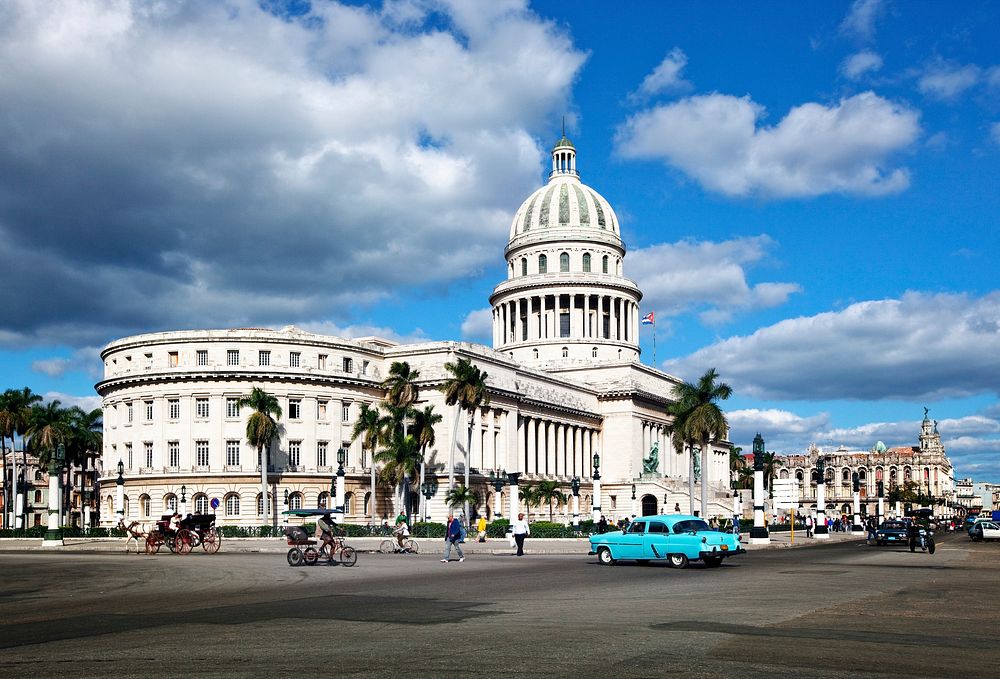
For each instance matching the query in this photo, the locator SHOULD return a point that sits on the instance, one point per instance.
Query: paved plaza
(833, 610)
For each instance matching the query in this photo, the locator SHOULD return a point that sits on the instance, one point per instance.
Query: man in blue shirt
(452, 536)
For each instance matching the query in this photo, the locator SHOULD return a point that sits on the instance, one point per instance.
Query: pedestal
(576, 511)
(759, 534)
(595, 508)
(856, 527)
(820, 531)
(53, 533)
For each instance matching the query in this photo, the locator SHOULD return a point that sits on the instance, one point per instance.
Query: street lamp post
(635, 509)
(856, 528)
(120, 492)
(428, 492)
(184, 499)
(595, 503)
(575, 485)
(820, 531)
(497, 478)
(758, 534)
(341, 482)
(53, 532)
(880, 488)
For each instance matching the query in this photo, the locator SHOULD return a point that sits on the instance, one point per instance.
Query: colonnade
(591, 316)
(552, 448)
(671, 464)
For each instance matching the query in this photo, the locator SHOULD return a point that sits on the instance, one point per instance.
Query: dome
(565, 202)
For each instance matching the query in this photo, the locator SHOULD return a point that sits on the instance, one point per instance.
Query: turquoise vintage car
(678, 538)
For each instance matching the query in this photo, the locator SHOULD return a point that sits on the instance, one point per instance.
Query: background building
(564, 380)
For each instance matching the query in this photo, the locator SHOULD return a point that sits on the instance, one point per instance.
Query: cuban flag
(649, 319)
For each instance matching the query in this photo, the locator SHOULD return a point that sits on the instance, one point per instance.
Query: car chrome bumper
(719, 552)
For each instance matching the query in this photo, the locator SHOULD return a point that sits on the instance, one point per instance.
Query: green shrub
(31, 532)
(498, 528)
(427, 529)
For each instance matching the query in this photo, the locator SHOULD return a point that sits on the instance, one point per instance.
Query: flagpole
(654, 343)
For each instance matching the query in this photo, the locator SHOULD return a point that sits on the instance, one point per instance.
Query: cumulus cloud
(85, 359)
(921, 346)
(667, 75)
(478, 326)
(705, 276)
(861, 18)
(815, 149)
(191, 164)
(947, 81)
(860, 63)
(87, 403)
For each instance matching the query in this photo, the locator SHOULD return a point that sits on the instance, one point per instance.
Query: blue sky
(807, 190)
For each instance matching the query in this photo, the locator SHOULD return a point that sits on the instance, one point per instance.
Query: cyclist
(401, 531)
(324, 525)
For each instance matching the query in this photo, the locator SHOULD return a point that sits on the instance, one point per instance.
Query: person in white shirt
(520, 529)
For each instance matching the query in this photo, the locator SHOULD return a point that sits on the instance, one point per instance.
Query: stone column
(531, 467)
(587, 331)
(550, 447)
(820, 531)
(758, 534)
(476, 454)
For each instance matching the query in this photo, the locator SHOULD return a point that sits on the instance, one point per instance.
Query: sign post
(785, 495)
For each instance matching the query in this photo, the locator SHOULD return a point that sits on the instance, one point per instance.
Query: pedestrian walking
(481, 528)
(809, 526)
(602, 525)
(452, 536)
(521, 530)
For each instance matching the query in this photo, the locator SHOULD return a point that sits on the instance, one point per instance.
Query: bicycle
(345, 554)
(392, 547)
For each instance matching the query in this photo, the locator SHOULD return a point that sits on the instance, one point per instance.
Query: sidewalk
(498, 546)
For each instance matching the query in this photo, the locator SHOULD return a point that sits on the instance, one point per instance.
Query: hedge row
(67, 531)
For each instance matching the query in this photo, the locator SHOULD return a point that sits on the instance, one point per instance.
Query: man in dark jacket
(452, 536)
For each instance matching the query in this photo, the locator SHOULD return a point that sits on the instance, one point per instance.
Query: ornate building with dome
(565, 382)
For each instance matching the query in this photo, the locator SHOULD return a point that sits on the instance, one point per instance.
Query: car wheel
(678, 561)
(712, 561)
(604, 556)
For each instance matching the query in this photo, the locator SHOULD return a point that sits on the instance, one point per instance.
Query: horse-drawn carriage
(195, 530)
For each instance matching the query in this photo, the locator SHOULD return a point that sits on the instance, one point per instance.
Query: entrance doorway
(648, 505)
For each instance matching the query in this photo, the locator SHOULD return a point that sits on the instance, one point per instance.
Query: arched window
(232, 505)
(110, 502)
(38, 475)
(295, 501)
(783, 474)
(524, 266)
(201, 503)
(586, 262)
(593, 352)
(144, 503)
(368, 503)
(604, 264)
(618, 266)
(862, 475)
(543, 264)
(565, 352)
(323, 499)
(125, 506)
(564, 262)
(260, 505)
(38, 496)
(908, 474)
(535, 352)
(349, 503)
(170, 503)
(846, 476)
(799, 476)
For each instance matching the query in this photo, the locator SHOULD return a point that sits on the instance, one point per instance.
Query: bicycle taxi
(304, 549)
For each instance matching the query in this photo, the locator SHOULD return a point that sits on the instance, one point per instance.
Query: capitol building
(564, 382)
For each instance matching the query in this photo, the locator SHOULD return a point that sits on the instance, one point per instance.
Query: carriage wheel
(184, 542)
(171, 542)
(153, 543)
(294, 556)
(348, 557)
(387, 546)
(310, 555)
(212, 541)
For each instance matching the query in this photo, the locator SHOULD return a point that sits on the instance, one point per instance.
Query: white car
(985, 530)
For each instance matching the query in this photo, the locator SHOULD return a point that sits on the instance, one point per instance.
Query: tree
(547, 491)
(461, 496)
(262, 430)
(400, 458)
(400, 385)
(48, 426)
(19, 403)
(698, 420)
(466, 389)
(738, 468)
(6, 430)
(423, 428)
(85, 443)
(771, 464)
(531, 498)
(368, 427)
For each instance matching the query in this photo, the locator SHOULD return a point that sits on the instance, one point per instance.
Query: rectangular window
(172, 359)
(128, 406)
(346, 445)
(321, 363)
(201, 453)
(294, 359)
(345, 412)
(201, 407)
(321, 447)
(348, 365)
(321, 411)
(294, 409)
(149, 360)
(294, 453)
(564, 324)
(128, 454)
(232, 407)
(149, 453)
(233, 357)
(233, 452)
(174, 408)
(202, 357)
(174, 453)
(149, 410)
(263, 358)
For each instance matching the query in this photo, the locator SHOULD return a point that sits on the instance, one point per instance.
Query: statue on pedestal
(651, 463)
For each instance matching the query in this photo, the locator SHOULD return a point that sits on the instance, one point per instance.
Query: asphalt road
(834, 610)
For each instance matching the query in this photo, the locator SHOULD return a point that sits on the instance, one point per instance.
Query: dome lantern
(563, 159)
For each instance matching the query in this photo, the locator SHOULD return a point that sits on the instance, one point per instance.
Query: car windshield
(637, 527)
(893, 525)
(690, 525)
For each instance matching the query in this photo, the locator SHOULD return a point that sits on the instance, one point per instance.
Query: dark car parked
(891, 532)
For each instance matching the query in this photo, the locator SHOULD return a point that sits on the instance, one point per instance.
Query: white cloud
(86, 403)
(185, 164)
(860, 63)
(85, 359)
(921, 346)
(478, 326)
(860, 19)
(667, 75)
(774, 421)
(813, 150)
(710, 277)
(946, 81)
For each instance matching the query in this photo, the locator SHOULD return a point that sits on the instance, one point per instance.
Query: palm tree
(738, 467)
(48, 426)
(771, 464)
(400, 386)
(547, 491)
(401, 458)
(531, 498)
(85, 443)
(18, 408)
(699, 421)
(368, 427)
(460, 495)
(6, 430)
(423, 428)
(262, 430)
(466, 389)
